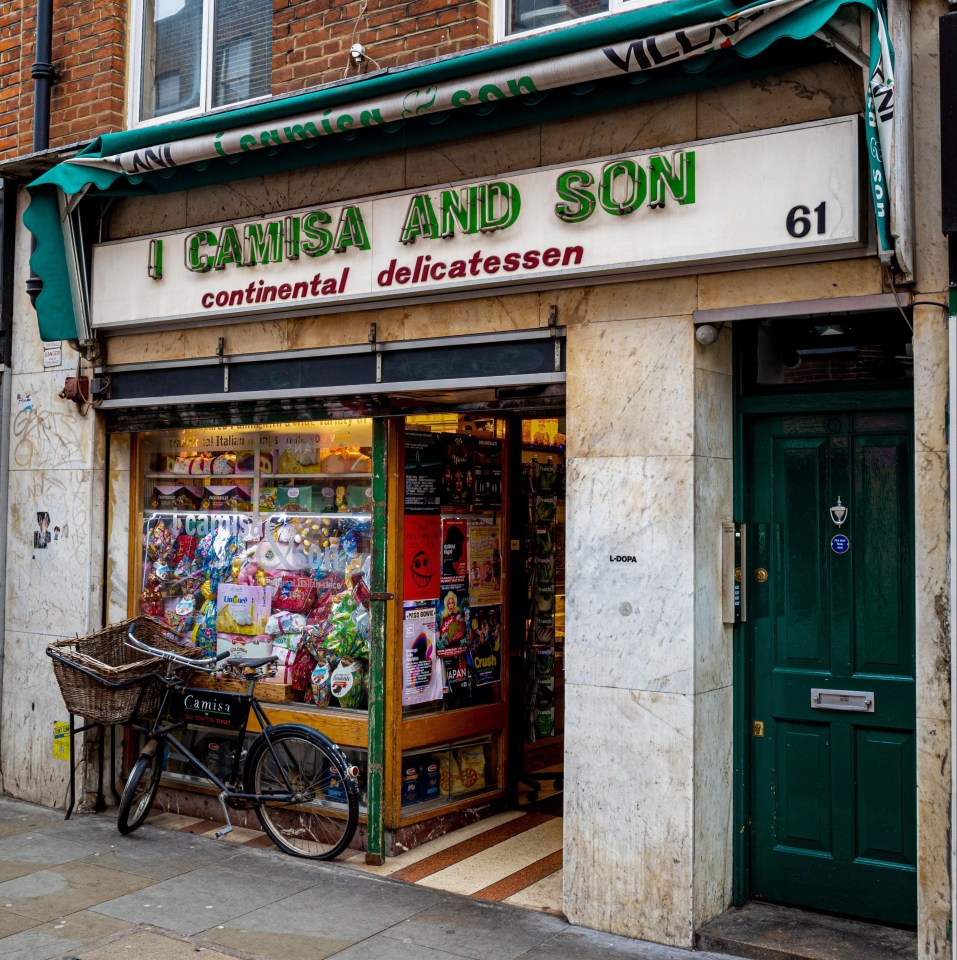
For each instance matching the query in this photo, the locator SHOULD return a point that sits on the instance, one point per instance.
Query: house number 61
(799, 220)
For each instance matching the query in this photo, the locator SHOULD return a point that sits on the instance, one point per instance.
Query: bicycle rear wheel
(140, 791)
(322, 816)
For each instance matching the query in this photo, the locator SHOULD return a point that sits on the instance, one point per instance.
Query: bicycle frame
(165, 735)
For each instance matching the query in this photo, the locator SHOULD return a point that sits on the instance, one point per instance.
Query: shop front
(375, 556)
(389, 517)
(434, 426)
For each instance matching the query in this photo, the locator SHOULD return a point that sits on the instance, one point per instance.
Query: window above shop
(191, 56)
(514, 17)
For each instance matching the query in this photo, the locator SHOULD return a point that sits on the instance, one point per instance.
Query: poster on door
(487, 455)
(424, 460)
(421, 572)
(485, 565)
(421, 675)
(485, 644)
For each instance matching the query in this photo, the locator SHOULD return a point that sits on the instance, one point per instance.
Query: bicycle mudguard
(352, 784)
(149, 748)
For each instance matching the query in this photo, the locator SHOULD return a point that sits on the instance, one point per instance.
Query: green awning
(645, 54)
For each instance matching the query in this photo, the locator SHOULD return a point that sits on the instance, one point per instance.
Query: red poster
(422, 557)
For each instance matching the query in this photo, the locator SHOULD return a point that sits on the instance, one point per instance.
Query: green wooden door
(833, 792)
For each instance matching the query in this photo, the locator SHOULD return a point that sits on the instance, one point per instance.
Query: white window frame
(136, 71)
(500, 17)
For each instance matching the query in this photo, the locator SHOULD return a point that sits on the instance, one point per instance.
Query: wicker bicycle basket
(101, 679)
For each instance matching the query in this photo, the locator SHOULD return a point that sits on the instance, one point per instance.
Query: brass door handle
(760, 575)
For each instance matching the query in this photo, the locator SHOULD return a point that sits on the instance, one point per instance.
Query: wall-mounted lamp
(707, 333)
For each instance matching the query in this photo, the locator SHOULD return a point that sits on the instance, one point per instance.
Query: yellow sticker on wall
(61, 740)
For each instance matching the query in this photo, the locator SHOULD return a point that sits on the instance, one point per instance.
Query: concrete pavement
(78, 889)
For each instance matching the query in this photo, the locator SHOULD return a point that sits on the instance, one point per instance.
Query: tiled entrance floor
(513, 857)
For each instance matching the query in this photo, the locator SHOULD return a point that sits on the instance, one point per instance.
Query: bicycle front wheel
(140, 791)
(320, 817)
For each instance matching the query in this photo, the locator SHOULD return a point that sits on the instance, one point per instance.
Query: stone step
(764, 931)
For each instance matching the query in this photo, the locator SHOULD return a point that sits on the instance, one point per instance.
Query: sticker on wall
(24, 402)
(52, 354)
(61, 740)
(840, 543)
(42, 535)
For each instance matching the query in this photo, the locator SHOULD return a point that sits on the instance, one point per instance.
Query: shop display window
(258, 540)
(454, 629)
(217, 751)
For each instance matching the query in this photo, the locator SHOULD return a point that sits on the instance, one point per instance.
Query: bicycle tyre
(319, 827)
(140, 791)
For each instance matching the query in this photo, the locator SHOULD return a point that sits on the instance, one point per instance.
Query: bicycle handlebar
(201, 663)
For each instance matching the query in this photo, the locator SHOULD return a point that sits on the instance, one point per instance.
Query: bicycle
(304, 791)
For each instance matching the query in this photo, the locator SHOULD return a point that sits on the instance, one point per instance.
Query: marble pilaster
(648, 662)
(53, 590)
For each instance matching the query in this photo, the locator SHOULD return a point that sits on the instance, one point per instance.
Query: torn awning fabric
(633, 45)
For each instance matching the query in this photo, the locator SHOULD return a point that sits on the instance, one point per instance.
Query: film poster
(485, 643)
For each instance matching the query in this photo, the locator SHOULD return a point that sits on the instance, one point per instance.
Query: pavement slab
(61, 890)
(49, 850)
(581, 944)
(195, 901)
(159, 854)
(17, 819)
(327, 917)
(386, 948)
(149, 945)
(482, 931)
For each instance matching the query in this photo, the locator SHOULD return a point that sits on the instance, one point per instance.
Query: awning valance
(272, 134)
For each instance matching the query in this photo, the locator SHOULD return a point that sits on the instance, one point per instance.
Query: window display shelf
(315, 476)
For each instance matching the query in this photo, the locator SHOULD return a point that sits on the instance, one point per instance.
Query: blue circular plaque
(840, 543)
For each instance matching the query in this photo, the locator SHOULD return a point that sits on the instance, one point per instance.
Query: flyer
(421, 675)
(452, 614)
(488, 474)
(424, 457)
(454, 552)
(484, 565)
(457, 472)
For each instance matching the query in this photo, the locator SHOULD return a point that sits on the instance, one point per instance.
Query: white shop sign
(789, 191)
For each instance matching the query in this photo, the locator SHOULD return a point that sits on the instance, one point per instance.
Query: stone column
(54, 587)
(648, 663)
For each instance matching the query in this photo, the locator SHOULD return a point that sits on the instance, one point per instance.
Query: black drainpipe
(44, 75)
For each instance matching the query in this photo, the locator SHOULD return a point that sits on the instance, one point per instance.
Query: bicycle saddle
(251, 662)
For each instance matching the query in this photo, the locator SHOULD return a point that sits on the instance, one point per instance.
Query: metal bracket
(382, 596)
(224, 360)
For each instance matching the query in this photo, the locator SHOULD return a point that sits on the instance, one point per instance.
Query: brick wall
(89, 42)
(311, 44)
(311, 41)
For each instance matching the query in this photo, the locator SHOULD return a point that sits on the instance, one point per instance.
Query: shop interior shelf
(164, 512)
(193, 477)
(315, 476)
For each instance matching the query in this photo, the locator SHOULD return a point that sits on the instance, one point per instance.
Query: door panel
(803, 796)
(833, 796)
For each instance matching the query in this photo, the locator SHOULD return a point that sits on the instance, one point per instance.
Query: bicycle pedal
(222, 832)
